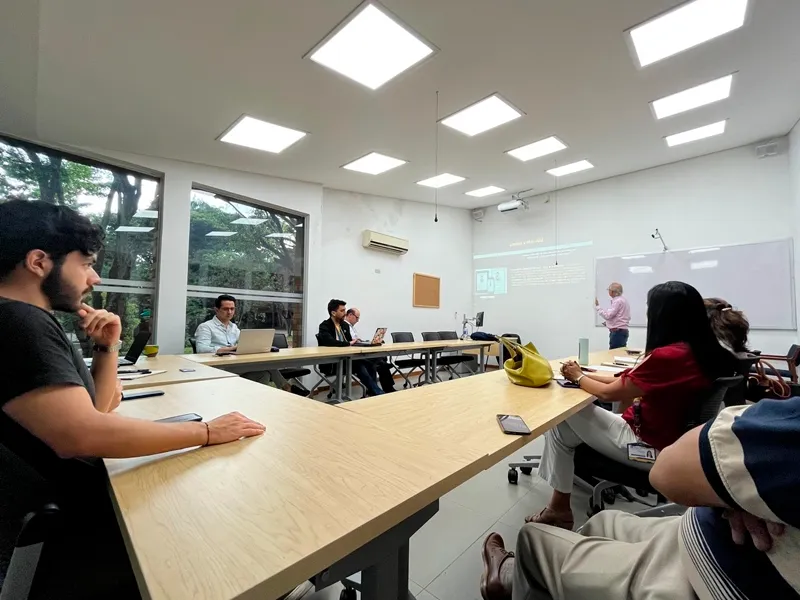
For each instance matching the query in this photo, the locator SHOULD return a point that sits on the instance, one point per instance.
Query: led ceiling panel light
(482, 116)
(220, 233)
(146, 214)
(698, 133)
(131, 229)
(261, 135)
(374, 164)
(485, 191)
(700, 95)
(537, 149)
(581, 165)
(247, 221)
(371, 47)
(442, 180)
(685, 27)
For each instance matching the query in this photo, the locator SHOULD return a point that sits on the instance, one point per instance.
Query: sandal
(548, 517)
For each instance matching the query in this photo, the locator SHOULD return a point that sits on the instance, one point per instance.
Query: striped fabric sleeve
(750, 456)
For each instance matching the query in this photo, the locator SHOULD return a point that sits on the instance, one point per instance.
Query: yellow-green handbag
(526, 366)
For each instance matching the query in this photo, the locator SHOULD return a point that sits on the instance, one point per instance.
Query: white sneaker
(301, 591)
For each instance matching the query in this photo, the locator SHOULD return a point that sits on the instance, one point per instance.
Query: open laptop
(254, 341)
(134, 352)
(377, 339)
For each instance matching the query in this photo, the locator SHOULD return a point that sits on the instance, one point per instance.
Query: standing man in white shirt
(617, 317)
(221, 335)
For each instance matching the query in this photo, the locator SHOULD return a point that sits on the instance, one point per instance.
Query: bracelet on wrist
(208, 434)
(578, 380)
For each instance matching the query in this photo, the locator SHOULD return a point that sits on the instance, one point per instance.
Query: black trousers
(384, 374)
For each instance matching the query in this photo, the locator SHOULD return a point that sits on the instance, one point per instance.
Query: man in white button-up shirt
(221, 335)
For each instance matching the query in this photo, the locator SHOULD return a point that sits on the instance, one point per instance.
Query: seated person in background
(56, 418)
(352, 317)
(741, 541)
(221, 335)
(682, 360)
(335, 332)
(729, 325)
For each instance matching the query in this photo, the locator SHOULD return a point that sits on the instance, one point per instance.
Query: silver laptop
(254, 341)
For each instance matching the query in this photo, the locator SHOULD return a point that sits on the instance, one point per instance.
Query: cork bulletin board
(426, 291)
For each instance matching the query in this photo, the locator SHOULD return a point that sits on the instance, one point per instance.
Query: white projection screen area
(521, 272)
(755, 278)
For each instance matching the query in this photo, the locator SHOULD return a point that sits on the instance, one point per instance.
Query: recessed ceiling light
(371, 47)
(247, 221)
(684, 27)
(581, 165)
(145, 214)
(440, 180)
(261, 135)
(220, 233)
(696, 134)
(700, 95)
(486, 114)
(537, 149)
(374, 164)
(485, 191)
(131, 229)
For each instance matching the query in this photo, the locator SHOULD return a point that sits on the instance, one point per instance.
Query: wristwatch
(107, 349)
(578, 380)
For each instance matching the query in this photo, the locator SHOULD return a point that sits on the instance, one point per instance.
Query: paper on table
(608, 368)
(132, 376)
(626, 360)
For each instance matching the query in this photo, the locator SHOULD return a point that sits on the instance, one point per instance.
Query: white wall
(379, 284)
(179, 176)
(725, 198)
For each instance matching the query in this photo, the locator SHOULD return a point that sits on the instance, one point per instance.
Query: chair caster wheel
(348, 594)
(526, 470)
(513, 476)
(610, 496)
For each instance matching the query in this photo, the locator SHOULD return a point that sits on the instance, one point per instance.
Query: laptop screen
(138, 344)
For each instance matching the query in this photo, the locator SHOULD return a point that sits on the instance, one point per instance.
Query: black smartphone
(513, 425)
(140, 395)
(181, 418)
(567, 383)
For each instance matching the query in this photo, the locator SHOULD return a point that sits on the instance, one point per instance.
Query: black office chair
(455, 358)
(22, 532)
(291, 375)
(504, 355)
(608, 477)
(398, 364)
(193, 343)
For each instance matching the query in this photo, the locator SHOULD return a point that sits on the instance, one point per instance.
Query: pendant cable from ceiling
(555, 206)
(436, 163)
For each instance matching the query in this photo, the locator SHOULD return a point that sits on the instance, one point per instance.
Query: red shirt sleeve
(667, 367)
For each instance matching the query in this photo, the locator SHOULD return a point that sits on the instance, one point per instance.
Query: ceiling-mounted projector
(511, 205)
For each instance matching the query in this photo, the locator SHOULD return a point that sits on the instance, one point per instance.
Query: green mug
(150, 350)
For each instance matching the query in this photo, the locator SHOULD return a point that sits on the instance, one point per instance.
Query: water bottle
(464, 335)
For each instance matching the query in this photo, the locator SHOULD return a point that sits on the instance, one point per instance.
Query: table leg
(349, 380)
(434, 366)
(339, 377)
(428, 366)
(482, 367)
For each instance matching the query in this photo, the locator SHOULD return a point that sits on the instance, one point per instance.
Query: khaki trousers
(617, 556)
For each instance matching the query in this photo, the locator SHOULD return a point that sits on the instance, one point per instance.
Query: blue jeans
(618, 338)
(365, 371)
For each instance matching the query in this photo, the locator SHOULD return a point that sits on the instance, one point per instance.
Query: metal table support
(383, 562)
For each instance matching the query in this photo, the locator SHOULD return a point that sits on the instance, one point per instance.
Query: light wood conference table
(324, 492)
(465, 410)
(172, 365)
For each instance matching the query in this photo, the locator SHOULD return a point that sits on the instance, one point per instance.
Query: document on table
(608, 368)
(132, 376)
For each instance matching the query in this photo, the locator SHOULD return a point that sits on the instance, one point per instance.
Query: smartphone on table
(513, 425)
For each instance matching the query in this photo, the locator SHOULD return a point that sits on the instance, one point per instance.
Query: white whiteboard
(755, 278)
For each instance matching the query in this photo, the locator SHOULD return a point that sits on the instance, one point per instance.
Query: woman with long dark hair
(682, 360)
(729, 325)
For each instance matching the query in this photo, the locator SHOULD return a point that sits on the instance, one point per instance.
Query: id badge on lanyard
(639, 451)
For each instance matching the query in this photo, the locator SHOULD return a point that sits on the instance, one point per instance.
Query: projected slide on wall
(491, 281)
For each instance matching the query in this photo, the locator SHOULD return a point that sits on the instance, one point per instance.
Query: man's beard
(61, 295)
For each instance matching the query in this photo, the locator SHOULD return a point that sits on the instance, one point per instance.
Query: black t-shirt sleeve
(36, 352)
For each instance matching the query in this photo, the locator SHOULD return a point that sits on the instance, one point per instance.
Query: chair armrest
(774, 357)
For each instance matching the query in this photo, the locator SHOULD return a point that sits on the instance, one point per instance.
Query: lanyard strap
(637, 419)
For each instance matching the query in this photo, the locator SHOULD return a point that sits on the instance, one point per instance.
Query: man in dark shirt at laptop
(56, 418)
(335, 332)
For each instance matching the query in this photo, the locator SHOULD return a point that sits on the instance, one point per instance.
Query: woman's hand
(571, 370)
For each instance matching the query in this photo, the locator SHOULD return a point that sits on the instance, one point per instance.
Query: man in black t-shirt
(55, 415)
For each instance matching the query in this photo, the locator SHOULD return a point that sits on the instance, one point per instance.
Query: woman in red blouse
(682, 359)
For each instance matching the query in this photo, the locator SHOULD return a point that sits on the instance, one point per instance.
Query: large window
(254, 253)
(125, 204)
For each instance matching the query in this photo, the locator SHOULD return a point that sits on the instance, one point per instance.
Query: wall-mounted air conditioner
(383, 242)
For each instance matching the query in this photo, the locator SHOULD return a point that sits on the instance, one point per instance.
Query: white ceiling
(166, 78)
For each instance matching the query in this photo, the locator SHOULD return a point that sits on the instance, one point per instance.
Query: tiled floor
(445, 559)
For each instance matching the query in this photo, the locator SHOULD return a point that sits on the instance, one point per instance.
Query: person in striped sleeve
(740, 540)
